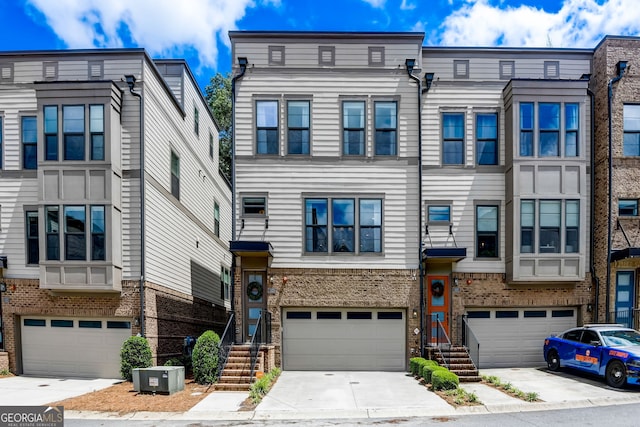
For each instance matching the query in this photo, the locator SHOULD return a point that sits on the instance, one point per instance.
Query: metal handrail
(441, 338)
(470, 341)
(256, 343)
(226, 341)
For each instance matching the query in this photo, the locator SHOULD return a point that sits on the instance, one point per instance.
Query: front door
(255, 301)
(625, 283)
(437, 295)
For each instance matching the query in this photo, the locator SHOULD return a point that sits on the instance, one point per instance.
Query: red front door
(437, 295)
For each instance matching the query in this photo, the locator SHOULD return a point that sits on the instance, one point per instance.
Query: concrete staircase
(459, 362)
(236, 375)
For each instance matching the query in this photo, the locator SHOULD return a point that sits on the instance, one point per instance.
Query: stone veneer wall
(169, 315)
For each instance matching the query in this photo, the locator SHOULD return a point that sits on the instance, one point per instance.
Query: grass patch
(262, 386)
(509, 389)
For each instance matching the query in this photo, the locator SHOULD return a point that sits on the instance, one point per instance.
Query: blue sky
(196, 30)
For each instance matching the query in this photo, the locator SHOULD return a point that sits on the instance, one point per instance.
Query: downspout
(131, 81)
(242, 62)
(410, 65)
(621, 66)
(594, 279)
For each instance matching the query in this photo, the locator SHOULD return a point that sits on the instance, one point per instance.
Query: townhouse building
(115, 220)
(387, 192)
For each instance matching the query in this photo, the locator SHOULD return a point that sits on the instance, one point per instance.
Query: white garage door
(86, 347)
(340, 339)
(512, 337)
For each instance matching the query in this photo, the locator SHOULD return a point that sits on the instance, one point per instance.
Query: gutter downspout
(621, 69)
(131, 81)
(243, 67)
(421, 272)
(594, 279)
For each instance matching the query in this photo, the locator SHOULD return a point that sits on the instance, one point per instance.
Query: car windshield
(620, 338)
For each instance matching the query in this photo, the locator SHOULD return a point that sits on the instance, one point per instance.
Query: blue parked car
(611, 351)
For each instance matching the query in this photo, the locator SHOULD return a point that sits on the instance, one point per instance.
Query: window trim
(211, 145)
(216, 218)
(94, 234)
(52, 234)
(267, 128)
(289, 128)
(444, 140)
(196, 120)
(487, 204)
(92, 134)
(391, 130)
(496, 140)
(435, 204)
(175, 177)
(244, 214)
(625, 131)
(67, 233)
(31, 212)
(544, 131)
(225, 283)
(55, 155)
(74, 134)
(29, 143)
(344, 128)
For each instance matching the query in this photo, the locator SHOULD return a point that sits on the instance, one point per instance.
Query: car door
(567, 348)
(588, 352)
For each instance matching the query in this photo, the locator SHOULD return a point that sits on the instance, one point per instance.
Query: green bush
(444, 379)
(135, 353)
(174, 361)
(414, 364)
(204, 358)
(262, 386)
(427, 371)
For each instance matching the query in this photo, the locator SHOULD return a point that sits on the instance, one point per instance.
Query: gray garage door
(341, 339)
(513, 337)
(65, 346)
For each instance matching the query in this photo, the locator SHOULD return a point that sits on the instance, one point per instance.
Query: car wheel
(616, 374)
(553, 360)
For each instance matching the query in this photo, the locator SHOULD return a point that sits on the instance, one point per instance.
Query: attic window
(276, 55)
(50, 70)
(96, 70)
(6, 72)
(461, 69)
(376, 56)
(326, 55)
(507, 70)
(551, 69)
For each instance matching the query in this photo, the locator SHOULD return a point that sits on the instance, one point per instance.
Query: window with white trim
(549, 129)
(554, 224)
(487, 138)
(267, 141)
(487, 225)
(452, 138)
(386, 128)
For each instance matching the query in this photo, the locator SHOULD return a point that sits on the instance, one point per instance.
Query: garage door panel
(346, 343)
(517, 341)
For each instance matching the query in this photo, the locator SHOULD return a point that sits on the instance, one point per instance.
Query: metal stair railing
(441, 339)
(226, 342)
(470, 342)
(256, 343)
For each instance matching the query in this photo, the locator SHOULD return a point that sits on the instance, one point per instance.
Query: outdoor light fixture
(428, 78)
(415, 313)
(131, 81)
(243, 62)
(410, 64)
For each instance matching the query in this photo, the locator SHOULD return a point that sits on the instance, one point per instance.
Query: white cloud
(376, 3)
(578, 23)
(405, 5)
(162, 27)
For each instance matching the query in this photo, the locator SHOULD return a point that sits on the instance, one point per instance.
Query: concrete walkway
(31, 391)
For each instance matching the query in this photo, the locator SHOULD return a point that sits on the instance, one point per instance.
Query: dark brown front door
(255, 300)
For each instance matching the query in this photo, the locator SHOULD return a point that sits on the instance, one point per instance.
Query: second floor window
(353, 120)
(29, 136)
(487, 231)
(75, 233)
(526, 129)
(386, 128)
(96, 130)
(487, 138)
(97, 233)
(453, 138)
(51, 132)
(52, 225)
(175, 175)
(73, 130)
(439, 213)
(549, 123)
(527, 226)
(572, 118)
(550, 219)
(554, 224)
(631, 143)
(298, 127)
(267, 127)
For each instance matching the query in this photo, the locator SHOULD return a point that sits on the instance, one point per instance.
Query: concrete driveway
(31, 391)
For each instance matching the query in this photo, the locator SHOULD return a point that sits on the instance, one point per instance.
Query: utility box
(159, 379)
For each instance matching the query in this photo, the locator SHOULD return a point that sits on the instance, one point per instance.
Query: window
(549, 123)
(97, 233)
(348, 225)
(254, 206)
(52, 227)
(225, 279)
(628, 207)
(211, 145)
(572, 226)
(353, 120)
(51, 132)
(96, 130)
(196, 120)
(216, 219)
(386, 128)
(370, 225)
(453, 138)
(175, 175)
(298, 127)
(526, 129)
(74, 233)
(56, 323)
(549, 226)
(29, 135)
(631, 143)
(571, 120)
(267, 127)
(487, 139)
(33, 246)
(439, 213)
(486, 231)
(73, 130)
(527, 226)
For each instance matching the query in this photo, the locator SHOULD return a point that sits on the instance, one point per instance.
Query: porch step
(236, 375)
(459, 361)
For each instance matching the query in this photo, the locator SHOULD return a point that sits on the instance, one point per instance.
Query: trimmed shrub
(174, 361)
(427, 371)
(204, 358)
(135, 353)
(414, 364)
(444, 379)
